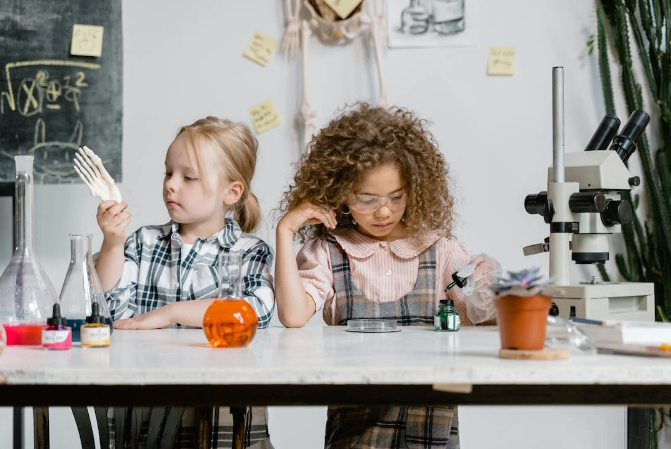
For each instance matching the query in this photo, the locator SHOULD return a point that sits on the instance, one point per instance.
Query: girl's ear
(235, 189)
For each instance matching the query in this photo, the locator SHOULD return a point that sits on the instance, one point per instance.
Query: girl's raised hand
(307, 213)
(113, 219)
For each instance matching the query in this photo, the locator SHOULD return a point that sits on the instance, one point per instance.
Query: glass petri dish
(372, 326)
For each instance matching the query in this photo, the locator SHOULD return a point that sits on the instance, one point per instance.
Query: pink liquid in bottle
(24, 334)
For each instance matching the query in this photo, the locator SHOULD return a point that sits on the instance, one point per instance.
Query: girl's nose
(170, 184)
(383, 211)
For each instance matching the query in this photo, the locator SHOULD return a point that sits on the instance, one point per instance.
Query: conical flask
(81, 287)
(26, 293)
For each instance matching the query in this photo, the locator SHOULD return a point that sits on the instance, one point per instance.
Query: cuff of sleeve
(314, 293)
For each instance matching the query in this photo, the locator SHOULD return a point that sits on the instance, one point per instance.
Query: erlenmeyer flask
(230, 321)
(26, 293)
(81, 287)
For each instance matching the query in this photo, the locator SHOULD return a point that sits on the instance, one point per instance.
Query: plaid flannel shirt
(154, 273)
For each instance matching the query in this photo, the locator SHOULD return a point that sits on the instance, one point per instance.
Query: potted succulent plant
(523, 300)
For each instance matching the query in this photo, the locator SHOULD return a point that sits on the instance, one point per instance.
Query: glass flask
(27, 296)
(230, 321)
(81, 287)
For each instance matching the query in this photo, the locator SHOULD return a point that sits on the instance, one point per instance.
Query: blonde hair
(234, 158)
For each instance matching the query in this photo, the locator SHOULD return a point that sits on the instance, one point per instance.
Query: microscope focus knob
(617, 212)
(634, 181)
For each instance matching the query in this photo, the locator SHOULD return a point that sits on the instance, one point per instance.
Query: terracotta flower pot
(522, 321)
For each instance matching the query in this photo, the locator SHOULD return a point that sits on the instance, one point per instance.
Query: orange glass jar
(230, 323)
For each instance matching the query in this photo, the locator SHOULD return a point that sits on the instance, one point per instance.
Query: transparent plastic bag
(564, 334)
(481, 272)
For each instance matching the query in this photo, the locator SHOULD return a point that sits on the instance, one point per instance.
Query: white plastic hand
(90, 168)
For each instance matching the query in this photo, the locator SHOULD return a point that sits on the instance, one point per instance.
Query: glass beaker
(81, 287)
(448, 16)
(230, 321)
(27, 296)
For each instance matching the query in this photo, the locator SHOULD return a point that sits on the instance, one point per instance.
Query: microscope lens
(604, 133)
(625, 143)
(635, 125)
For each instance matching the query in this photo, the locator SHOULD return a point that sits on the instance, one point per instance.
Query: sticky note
(87, 40)
(343, 7)
(260, 49)
(264, 116)
(501, 61)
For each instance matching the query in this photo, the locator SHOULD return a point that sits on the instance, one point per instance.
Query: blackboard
(51, 102)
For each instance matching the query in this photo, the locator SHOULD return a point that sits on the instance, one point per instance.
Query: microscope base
(626, 301)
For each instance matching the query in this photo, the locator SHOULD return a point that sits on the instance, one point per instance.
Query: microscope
(583, 207)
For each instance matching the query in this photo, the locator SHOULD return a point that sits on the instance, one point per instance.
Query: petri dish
(372, 326)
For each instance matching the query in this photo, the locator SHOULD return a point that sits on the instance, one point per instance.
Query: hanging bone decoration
(92, 171)
(324, 21)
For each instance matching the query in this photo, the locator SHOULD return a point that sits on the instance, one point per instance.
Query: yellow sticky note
(501, 61)
(264, 116)
(260, 49)
(343, 7)
(87, 40)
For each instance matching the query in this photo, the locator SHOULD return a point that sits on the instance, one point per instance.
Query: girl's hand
(156, 319)
(307, 213)
(113, 221)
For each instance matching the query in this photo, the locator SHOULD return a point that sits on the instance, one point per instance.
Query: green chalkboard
(52, 102)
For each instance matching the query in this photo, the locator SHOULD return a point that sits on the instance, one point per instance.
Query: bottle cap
(450, 302)
(95, 317)
(444, 301)
(57, 319)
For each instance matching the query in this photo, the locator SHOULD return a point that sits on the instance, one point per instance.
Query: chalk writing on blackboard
(31, 90)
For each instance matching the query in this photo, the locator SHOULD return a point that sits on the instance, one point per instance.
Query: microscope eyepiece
(604, 133)
(625, 143)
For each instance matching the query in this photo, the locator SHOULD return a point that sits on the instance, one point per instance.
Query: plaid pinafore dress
(388, 427)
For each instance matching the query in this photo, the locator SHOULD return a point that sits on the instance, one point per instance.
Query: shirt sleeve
(258, 281)
(314, 268)
(121, 300)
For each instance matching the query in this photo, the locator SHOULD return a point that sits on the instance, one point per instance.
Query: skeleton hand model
(336, 31)
(90, 168)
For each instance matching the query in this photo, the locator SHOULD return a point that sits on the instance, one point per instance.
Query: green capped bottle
(447, 319)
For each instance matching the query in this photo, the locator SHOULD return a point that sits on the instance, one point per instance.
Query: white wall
(182, 61)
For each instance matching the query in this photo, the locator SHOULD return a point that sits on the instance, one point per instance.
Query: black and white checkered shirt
(156, 274)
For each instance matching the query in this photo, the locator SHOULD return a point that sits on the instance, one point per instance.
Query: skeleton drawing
(330, 28)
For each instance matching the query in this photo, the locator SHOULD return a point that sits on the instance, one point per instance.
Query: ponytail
(248, 213)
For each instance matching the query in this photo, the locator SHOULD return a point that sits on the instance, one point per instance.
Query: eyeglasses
(368, 204)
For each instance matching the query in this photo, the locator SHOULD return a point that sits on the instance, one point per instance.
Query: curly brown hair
(363, 138)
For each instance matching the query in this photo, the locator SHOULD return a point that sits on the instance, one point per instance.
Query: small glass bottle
(447, 318)
(230, 321)
(56, 336)
(81, 287)
(448, 16)
(415, 18)
(95, 333)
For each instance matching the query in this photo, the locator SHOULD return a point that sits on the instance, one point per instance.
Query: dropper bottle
(56, 336)
(95, 333)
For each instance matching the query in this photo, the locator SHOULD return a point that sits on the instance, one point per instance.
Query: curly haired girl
(374, 195)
